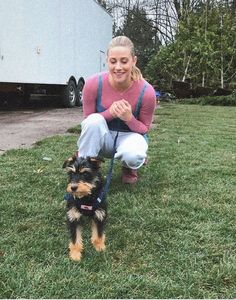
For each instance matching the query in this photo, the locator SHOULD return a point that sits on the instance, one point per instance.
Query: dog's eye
(86, 175)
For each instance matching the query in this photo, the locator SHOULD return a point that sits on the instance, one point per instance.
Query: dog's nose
(74, 187)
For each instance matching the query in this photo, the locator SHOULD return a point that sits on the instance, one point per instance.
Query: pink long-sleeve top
(109, 95)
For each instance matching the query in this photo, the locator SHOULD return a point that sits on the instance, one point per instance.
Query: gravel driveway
(22, 128)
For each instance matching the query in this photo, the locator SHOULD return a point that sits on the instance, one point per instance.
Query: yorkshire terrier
(85, 198)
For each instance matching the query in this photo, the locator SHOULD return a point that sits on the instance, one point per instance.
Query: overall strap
(140, 100)
(99, 106)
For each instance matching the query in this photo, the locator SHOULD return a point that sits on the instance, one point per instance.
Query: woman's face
(120, 63)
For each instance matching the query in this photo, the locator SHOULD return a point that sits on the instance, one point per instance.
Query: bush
(211, 100)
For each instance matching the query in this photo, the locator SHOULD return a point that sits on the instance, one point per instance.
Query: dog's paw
(75, 252)
(75, 255)
(99, 243)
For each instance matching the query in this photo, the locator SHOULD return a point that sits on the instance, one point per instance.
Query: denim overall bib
(117, 124)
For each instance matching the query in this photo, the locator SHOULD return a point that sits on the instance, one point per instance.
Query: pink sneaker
(129, 175)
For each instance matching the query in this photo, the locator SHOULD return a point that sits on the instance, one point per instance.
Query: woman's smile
(119, 74)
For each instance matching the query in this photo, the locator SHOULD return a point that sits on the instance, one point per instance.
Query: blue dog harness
(82, 205)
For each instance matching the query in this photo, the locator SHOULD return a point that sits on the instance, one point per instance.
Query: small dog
(84, 197)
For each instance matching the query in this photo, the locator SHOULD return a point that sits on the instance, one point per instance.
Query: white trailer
(52, 46)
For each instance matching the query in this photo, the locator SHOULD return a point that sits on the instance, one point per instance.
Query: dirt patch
(22, 128)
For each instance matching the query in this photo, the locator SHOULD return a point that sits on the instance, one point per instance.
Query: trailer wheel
(70, 94)
(79, 93)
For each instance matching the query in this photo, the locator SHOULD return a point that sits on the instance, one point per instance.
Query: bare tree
(164, 13)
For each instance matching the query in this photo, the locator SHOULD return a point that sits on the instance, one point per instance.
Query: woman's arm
(144, 121)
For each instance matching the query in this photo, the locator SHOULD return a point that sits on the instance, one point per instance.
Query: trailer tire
(70, 94)
(79, 93)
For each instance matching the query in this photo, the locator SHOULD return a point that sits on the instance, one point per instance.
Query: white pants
(96, 139)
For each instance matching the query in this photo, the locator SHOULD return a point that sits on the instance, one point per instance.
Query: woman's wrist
(129, 119)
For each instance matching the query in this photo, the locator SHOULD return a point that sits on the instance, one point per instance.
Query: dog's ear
(69, 163)
(96, 161)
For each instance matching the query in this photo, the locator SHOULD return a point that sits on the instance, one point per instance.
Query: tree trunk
(203, 79)
(186, 68)
(222, 71)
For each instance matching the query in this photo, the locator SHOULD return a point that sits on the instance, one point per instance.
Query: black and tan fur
(85, 185)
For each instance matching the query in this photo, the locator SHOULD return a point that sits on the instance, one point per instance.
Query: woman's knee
(94, 124)
(93, 120)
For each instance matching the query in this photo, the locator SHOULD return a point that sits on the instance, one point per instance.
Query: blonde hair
(124, 41)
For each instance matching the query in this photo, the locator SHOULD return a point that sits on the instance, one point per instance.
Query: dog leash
(109, 175)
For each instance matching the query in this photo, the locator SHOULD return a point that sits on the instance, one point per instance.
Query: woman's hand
(121, 109)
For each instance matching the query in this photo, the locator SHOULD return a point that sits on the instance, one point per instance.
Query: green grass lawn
(173, 235)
